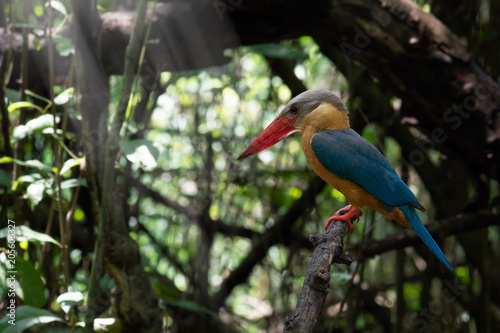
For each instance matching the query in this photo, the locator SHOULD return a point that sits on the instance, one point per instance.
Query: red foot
(347, 214)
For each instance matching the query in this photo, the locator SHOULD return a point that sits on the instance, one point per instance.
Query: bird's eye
(293, 109)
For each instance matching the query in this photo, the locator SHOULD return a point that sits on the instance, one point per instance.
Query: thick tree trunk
(135, 302)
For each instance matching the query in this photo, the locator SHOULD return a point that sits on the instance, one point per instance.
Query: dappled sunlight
(119, 169)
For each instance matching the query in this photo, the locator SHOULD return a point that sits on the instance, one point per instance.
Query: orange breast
(355, 194)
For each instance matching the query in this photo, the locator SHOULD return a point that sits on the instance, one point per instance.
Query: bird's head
(316, 108)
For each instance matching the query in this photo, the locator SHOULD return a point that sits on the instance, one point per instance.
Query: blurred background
(192, 240)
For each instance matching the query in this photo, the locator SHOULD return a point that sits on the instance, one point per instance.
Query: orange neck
(324, 117)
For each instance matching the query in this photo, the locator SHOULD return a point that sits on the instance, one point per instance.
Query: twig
(19, 146)
(328, 250)
(5, 71)
(57, 153)
(46, 246)
(139, 68)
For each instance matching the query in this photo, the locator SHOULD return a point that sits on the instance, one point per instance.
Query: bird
(346, 161)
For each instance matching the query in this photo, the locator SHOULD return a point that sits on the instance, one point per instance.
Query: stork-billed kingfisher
(346, 161)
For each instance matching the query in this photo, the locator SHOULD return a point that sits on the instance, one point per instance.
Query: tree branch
(329, 249)
(451, 226)
(410, 51)
(280, 233)
(192, 213)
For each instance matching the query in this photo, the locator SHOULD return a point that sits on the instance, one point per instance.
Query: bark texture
(328, 250)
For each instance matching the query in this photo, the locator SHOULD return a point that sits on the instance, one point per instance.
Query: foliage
(178, 158)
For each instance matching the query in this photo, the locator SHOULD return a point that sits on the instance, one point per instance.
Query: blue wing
(347, 155)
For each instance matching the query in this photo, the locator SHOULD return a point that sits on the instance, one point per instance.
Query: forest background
(121, 122)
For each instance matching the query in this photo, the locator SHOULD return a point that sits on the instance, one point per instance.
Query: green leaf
(57, 5)
(35, 164)
(274, 50)
(141, 152)
(26, 179)
(5, 178)
(69, 300)
(12, 95)
(64, 96)
(23, 104)
(24, 233)
(6, 159)
(69, 164)
(168, 293)
(38, 10)
(26, 317)
(36, 43)
(64, 46)
(29, 178)
(74, 182)
(50, 130)
(35, 125)
(101, 324)
(192, 306)
(31, 284)
(29, 163)
(35, 193)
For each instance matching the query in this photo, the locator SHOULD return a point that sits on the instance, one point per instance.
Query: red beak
(274, 133)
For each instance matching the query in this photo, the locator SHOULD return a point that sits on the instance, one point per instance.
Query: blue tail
(413, 219)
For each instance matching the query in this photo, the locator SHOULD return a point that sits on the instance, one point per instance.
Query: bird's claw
(347, 214)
